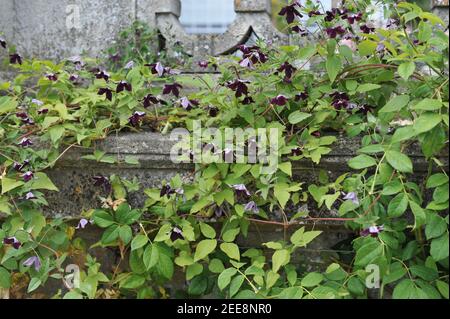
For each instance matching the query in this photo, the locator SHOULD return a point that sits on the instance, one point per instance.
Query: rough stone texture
(73, 175)
(440, 8)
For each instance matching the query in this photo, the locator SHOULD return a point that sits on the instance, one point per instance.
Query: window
(207, 16)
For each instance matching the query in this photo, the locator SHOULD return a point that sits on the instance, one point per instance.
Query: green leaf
(333, 66)
(366, 87)
(395, 104)
(7, 104)
(225, 277)
(399, 161)
(151, 256)
(297, 116)
(232, 250)
(281, 193)
(428, 105)
(34, 284)
(404, 290)
(10, 184)
(204, 248)
(125, 233)
(216, 266)
(425, 122)
(41, 181)
(280, 258)
(406, 69)
(286, 168)
(362, 161)
(391, 188)
(368, 253)
(110, 235)
(132, 282)
(312, 279)
(403, 133)
(420, 216)
(439, 248)
(207, 231)
(103, 219)
(398, 205)
(443, 288)
(435, 227)
(193, 270)
(437, 180)
(236, 284)
(5, 278)
(367, 47)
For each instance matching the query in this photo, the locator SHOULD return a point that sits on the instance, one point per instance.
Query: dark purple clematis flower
(296, 151)
(365, 108)
(12, 241)
(25, 142)
(123, 85)
(3, 43)
(279, 100)
(51, 76)
(291, 12)
(313, 13)
(151, 99)
(166, 190)
(251, 55)
(136, 118)
(102, 75)
(106, 91)
(239, 86)
(333, 32)
(157, 68)
(27, 176)
(366, 29)
(302, 96)
(241, 189)
(34, 260)
(176, 233)
(331, 15)
(213, 111)
(288, 70)
(300, 31)
(247, 100)
(188, 104)
(15, 58)
(203, 64)
(251, 207)
(353, 197)
(340, 100)
(172, 88)
(129, 65)
(30, 196)
(42, 111)
(102, 181)
(82, 223)
(22, 115)
(372, 231)
(356, 17)
(18, 167)
(37, 102)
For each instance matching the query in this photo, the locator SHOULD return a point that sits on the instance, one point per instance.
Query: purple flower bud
(30, 196)
(12, 241)
(176, 233)
(25, 142)
(82, 223)
(74, 78)
(213, 111)
(188, 104)
(129, 65)
(15, 58)
(28, 176)
(43, 111)
(251, 207)
(203, 64)
(34, 260)
(279, 100)
(353, 197)
(102, 75)
(241, 189)
(136, 118)
(372, 231)
(297, 151)
(51, 76)
(301, 96)
(37, 102)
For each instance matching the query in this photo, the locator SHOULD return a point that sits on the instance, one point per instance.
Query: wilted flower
(27, 176)
(333, 32)
(172, 88)
(188, 104)
(353, 197)
(12, 241)
(241, 189)
(176, 233)
(30, 196)
(123, 85)
(279, 100)
(105, 91)
(251, 207)
(129, 65)
(239, 86)
(3, 43)
(288, 70)
(136, 118)
(82, 223)
(15, 58)
(372, 231)
(366, 29)
(34, 260)
(24, 142)
(102, 75)
(291, 12)
(102, 181)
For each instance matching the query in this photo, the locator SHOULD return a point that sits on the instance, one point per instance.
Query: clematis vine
(51, 76)
(176, 233)
(27, 176)
(239, 86)
(20, 166)
(82, 223)
(102, 75)
(107, 92)
(15, 58)
(240, 189)
(129, 65)
(334, 32)
(251, 55)
(291, 12)
(30, 196)
(172, 88)
(13, 241)
(151, 99)
(366, 29)
(279, 100)
(203, 64)
(373, 231)
(25, 142)
(188, 104)
(136, 118)
(340, 100)
(288, 70)
(123, 85)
